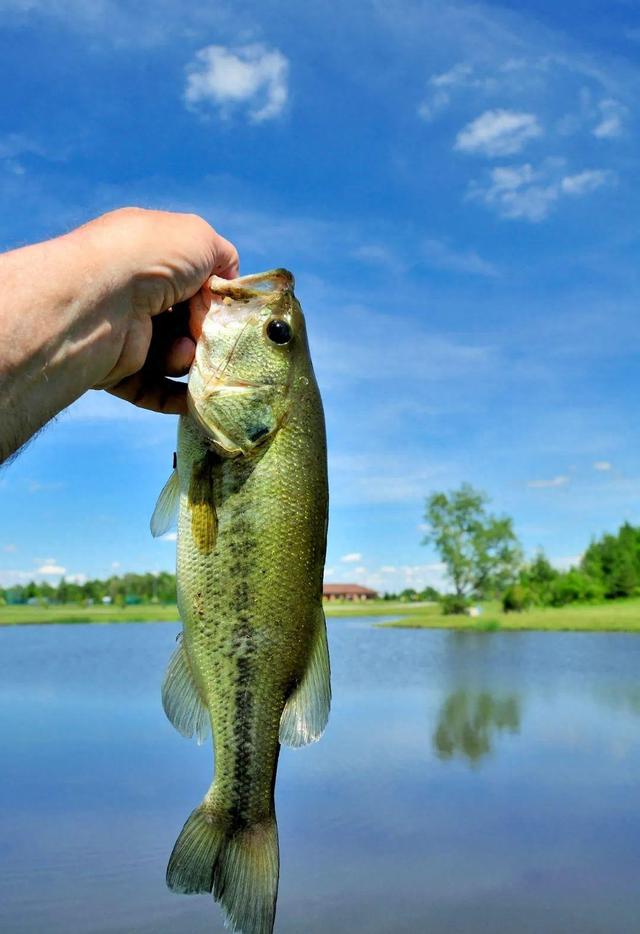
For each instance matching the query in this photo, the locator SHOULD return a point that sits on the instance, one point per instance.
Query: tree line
(118, 590)
(484, 559)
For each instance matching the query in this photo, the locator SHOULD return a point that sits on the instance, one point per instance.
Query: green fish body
(252, 665)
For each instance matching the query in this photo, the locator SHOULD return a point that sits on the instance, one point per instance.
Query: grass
(29, 615)
(618, 616)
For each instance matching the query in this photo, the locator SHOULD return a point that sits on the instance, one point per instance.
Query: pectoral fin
(204, 521)
(165, 513)
(307, 710)
(181, 699)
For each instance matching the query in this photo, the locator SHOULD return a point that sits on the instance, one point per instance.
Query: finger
(179, 356)
(227, 262)
(198, 309)
(156, 393)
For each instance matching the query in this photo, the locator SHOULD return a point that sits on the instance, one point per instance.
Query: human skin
(100, 307)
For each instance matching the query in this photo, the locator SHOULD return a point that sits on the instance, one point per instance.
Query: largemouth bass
(252, 666)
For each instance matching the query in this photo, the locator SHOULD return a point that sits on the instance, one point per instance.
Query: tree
(481, 552)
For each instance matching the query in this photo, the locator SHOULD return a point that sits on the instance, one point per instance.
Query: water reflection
(420, 810)
(469, 721)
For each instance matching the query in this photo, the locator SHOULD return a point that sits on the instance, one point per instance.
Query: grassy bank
(26, 615)
(618, 616)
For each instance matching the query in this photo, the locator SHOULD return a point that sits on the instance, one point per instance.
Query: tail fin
(241, 868)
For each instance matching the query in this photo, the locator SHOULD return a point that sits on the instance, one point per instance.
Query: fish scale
(251, 487)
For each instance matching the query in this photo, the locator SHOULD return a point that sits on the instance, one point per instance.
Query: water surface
(468, 782)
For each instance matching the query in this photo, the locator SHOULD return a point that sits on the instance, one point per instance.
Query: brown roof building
(347, 592)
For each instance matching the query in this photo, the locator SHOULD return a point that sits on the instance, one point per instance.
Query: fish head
(252, 343)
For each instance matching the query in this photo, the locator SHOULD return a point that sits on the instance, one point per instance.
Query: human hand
(155, 261)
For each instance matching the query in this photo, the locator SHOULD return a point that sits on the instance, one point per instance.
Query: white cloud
(51, 567)
(440, 255)
(516, 192)
(454, 77)
(352, 558)
(612, 114)
(548, 484)
(498, 133)
(566, 562)
(584, 182)
(169, 537)
(375, 253)
(115, 565)
(396, 578)
(445, 86)
(602, 466)
(252, 76)
(522, 192)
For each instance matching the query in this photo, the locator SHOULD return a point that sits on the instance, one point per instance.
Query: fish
(251, 667)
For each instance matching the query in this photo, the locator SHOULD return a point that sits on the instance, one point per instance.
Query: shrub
(453, 605)
(575, 587)
(516, 598)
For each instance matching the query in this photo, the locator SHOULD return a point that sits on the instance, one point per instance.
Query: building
(347, 592)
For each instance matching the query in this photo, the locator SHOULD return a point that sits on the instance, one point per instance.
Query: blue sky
(454, 186)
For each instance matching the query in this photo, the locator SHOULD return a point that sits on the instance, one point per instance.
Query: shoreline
(615, 616)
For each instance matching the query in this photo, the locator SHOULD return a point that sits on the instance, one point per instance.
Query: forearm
(53, 330)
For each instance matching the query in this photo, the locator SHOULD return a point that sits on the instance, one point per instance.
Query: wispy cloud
(51, 566)
(524, 192)
(554, 482)
(585, 182)
(384, 478)
(444, 86)
(253, 78)
(441, 255)
(602, 466)
(364, 351)
(352, 558)
(169, 537)
(498, 133)
(395, 578)
(612, 115)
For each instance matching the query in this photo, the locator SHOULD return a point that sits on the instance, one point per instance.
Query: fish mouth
(259, 285)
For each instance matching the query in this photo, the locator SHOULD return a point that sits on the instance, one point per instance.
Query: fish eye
(279, 331)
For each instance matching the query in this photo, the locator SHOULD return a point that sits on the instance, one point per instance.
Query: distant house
(347, 592)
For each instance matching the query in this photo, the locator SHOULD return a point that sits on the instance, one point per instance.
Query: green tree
(481, 552)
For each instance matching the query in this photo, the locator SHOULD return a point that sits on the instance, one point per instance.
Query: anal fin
(306, 712)
(181, 699)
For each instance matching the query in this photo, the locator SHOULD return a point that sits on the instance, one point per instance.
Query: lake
(467, 783)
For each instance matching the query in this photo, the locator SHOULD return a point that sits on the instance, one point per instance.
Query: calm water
(467, 783)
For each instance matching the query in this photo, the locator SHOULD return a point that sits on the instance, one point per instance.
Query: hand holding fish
(86, 310)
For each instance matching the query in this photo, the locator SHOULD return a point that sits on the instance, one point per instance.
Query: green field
(618, 616)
